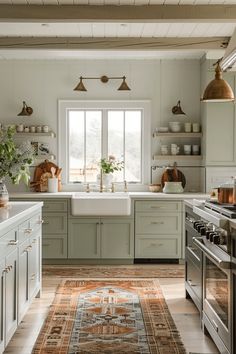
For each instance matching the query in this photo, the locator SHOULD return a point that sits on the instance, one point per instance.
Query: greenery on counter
(14, 159)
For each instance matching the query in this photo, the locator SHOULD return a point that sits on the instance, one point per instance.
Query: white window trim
(64, 105)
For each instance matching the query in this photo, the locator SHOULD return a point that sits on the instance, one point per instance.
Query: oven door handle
(222, 263)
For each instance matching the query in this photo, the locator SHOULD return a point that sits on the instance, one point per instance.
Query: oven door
(216, 295)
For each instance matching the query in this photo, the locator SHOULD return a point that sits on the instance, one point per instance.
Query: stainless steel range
(211, 240)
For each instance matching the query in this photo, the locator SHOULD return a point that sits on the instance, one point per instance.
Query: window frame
(65, 105)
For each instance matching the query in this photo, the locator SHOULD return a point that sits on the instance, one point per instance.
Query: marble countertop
(135, 195)
(15, 211)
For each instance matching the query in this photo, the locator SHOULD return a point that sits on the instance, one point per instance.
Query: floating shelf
(177, 135)
(49, 157)
(50, 134)
(177, 157)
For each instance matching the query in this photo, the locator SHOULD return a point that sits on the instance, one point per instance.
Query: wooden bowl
(154, 188)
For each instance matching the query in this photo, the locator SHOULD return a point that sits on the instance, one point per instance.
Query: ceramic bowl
(175, 127)
(163, 129)
(154, 188)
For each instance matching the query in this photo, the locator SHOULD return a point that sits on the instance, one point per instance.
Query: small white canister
(52, 185)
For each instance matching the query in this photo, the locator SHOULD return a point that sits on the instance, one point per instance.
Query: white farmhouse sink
(96, 203)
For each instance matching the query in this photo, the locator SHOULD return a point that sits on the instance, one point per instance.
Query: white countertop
(137, 195)
(15, 211)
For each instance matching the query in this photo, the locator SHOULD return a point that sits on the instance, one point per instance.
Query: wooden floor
(183, 312)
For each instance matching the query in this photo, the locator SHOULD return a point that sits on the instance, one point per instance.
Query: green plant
(14, 160)
(110, 165)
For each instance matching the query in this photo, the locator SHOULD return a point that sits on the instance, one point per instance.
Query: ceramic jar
(173, 187)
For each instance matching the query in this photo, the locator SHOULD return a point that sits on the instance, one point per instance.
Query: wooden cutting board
(42, 173)
(173, 175)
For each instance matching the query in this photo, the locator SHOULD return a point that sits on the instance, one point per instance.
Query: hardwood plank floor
(183, 312)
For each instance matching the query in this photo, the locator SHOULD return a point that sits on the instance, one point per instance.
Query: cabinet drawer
(158, 224)
(29, 227)
(54, 246)
(35, 222)
(55, 223)
(8, 243)
(154, 247)
(55, 206)
(158, 206)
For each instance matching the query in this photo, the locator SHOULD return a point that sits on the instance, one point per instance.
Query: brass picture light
(26, 110)
(104, 79)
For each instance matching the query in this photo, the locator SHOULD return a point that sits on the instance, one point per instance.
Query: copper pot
(226, 195)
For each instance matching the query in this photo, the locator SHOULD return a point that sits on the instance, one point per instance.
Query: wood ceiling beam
(124, 13)
(75, 43)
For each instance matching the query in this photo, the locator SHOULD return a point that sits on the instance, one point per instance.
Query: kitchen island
(20, 263)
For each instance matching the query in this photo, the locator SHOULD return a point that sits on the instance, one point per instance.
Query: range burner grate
(223, 209)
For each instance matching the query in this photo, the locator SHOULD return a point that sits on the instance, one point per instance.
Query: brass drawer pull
(156, 244)
(41, 221)
(12, 242)
(33, 276)
(6, 270)
(157, 222)
(29, 248)
(28, 231)
(155, 207)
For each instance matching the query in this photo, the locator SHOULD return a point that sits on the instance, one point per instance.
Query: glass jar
(4, 196)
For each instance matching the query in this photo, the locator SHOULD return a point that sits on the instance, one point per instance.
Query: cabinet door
(11, 296)
(55, 223)
(117, 238)
(220, 134)
(34, 265)
(23, 288)
(2, 306)
(54, 246)
(84, 238)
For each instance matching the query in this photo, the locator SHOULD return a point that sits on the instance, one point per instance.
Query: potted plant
(108, 167)
(14, 162)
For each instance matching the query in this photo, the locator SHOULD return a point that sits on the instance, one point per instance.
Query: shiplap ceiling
(31, 24)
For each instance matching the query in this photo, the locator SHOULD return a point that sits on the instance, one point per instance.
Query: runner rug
(132, 271)
(109, 317)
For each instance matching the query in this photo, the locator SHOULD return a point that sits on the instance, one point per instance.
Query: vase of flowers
(108, 167)
(14, 162)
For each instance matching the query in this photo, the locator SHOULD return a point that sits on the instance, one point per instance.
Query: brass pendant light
(26, 110)
(177, 109)
(218, 90)
(80, 86)
(123, 86)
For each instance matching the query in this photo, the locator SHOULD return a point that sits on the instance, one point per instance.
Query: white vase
(4, 196)
(107, 179)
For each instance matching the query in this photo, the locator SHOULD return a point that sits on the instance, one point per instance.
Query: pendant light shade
(218, 90)
(26, 110)
(123, 86)
(80, 86)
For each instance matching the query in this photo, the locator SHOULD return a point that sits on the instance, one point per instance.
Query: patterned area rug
(109, 317)
(132, 271)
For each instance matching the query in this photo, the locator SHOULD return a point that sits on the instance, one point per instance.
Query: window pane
(116, 139)
(76, 146)
(133, 145)
(93, 144)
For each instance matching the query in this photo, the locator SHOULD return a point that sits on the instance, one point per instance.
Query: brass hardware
(157, 222)
(177, 109)
(104, 79)
(26, 110)
(28, 231)
(33, 276)
(125, 187)
(87, 188)
(218, 90)
(101, 182)
(12, 242)
(41, 221)
(113, 187)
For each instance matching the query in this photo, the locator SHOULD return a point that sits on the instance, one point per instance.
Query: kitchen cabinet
(219, 147)
(158, 229)
(101, 238)
(20, 271)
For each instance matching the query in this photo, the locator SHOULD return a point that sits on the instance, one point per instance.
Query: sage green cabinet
(84, 238)
(158, 229)
(11, 295)
(54, 223)
(102, 238)
(54, 246)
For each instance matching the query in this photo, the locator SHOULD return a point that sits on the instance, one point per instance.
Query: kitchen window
(91, 130)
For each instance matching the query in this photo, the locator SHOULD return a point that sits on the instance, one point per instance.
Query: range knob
(199, 226)
(208, 234)
(202, 230)
(196, 223)
(216, 239)
(211, 236)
